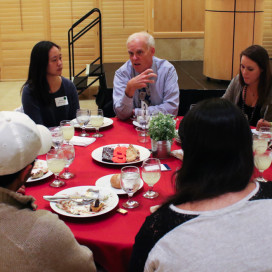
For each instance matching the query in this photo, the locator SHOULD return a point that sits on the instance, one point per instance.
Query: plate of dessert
(113, 182)
(39, 171)
(102, 201)
(120, 154)
(107, 122)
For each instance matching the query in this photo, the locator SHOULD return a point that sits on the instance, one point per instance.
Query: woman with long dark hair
(251, 90)
(218, 218)
(47, 97)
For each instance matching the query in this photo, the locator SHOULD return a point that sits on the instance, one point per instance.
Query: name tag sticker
(61, 101)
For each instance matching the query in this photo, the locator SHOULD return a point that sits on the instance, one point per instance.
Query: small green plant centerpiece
(162, 130)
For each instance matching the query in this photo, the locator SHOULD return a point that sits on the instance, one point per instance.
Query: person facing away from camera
(251, 89)
(218, 219)
(145, 77)
(48, 97)
(31, 240)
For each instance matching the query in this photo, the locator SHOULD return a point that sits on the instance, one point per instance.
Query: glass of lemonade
(56, 163)
(97, 120)
(151, 173)
(69, 155)
(262, 161)
(83, 118)
(68, 130)
(130, 183)
(260, 144)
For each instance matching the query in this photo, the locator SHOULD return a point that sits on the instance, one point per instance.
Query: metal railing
(96, 70)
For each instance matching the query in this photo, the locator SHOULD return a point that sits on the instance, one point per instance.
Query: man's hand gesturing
(140, 82)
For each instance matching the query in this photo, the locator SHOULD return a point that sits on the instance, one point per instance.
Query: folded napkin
(82, 141)
(177, 154)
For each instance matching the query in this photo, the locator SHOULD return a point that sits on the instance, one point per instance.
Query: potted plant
(162, 130)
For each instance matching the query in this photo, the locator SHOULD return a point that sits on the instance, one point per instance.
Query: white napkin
(154, 208)
(254, 131)
(82, 141)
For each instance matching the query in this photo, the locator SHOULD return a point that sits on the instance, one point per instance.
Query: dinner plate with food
(106, 122)
(95, 201)
(113, 182)
(39, 171)
(120, 154)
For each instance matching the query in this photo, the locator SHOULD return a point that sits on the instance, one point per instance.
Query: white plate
(48, 174)
(110, 203)
(254, 131)
(97, 154)
(107, 122)
(136, 124)
(105, 182)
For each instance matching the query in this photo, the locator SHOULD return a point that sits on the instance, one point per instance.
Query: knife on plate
(71, 197)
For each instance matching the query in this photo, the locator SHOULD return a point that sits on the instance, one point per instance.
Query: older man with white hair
(145, 78)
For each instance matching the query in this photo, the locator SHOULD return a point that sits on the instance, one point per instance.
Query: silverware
(78, 199)
(265, 112)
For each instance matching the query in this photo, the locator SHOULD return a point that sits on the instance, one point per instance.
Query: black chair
(189, 97)
(104, 101)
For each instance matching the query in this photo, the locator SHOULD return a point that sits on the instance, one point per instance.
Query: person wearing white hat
(31, 240)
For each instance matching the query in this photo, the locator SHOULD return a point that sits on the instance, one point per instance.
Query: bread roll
(116, 181)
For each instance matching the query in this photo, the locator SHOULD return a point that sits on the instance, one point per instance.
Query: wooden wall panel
(25, 22)
(259, 27)
(63, 14)
(220, 5)
(247, 5)
(167, 15)
(120, 18)
(193, 13)
(267, 27)
(22, 25)
(215, 65)
(246, 22)
(242, 38)
(122, 15)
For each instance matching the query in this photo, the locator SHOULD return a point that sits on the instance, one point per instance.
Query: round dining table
(110, 236)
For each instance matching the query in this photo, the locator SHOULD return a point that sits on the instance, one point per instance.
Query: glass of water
(69, 155)
(143, 118)
(83, 118)
(57, 136)
(130, 183)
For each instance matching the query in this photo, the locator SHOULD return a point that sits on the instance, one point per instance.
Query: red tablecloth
(109, 236)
